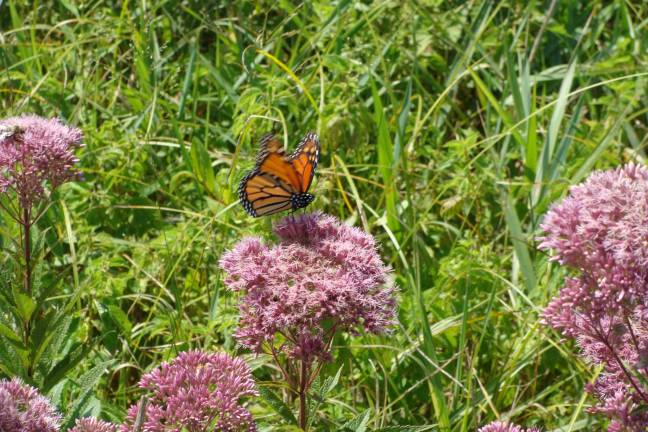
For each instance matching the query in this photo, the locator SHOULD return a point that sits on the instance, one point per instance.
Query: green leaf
(69, 6)
(319, 391)
(559, 111)
(69, 362)
(187, 82)
(519, 245)
(52, 331)
(120, 318)
(549, 148)
(402, 125)
(11, 362)
(201, 165)
(7, 332)
(329, 384)
(566, 141)
(358, 424)
(385, 159)
(406, 428)
(584, 170)
(277, 404)
(86, 386)
(514, 83)
(483, 88)
(25, 305)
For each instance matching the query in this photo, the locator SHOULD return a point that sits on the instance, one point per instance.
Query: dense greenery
(448, 129)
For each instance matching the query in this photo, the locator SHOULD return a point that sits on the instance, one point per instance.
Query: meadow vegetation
(448, 129)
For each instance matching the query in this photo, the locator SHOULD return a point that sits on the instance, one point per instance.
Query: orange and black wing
(304, 160)
(263, 194)
(269, 144)
(270, 186)
(273, 161)
(267, 189)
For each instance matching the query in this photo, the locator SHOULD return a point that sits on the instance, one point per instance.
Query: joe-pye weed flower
(196, 392)
(24, 409)
(601, 232)
(36, 157)
(321, 277)
(499, 426)
(91, 424)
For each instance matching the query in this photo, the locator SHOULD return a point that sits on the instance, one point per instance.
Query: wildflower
(601, 231)
(24, 409)
(321, 277)
(33, 152)
(197, 391)
(91, 424)
(505, 427)
(603, 220)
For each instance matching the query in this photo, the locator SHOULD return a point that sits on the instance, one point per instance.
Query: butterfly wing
(268, 188)
(276, 178)
(263, 194)
(304, 160)
(278, 166)
(268, 144)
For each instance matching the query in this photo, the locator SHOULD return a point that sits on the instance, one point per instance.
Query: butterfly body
(301, 200)
(279, 182)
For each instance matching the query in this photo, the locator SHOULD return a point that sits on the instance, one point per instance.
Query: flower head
(36, 151)
(91, 424)
(196, 391)
(624, 338)
(601, 231)
(320, 277)
(24, 409)
(602, 220)
(505, 427)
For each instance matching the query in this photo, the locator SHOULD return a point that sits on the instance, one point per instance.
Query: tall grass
(443, 135)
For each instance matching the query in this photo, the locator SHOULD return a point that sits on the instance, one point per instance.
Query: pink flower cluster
(24, 409)
(90, 424)
(322, 276)
(505, 427)
(601, 231)
(196, 392)
(36, 151)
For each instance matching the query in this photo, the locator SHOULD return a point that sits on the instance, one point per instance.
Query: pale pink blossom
(197, 391)
(499, 426)
(91, 424)
(37, 155)
(600, 231)
(24, 409)
(322, 276)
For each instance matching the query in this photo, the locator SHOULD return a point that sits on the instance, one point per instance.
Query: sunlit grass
(441, 136)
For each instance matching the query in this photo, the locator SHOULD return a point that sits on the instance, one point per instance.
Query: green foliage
(448, 128)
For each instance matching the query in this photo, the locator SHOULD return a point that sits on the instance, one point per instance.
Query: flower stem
(27, 276)
(303, 383)
(621, 365)
(26, 223)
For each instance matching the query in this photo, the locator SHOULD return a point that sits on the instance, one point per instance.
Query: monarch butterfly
(279, 182)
